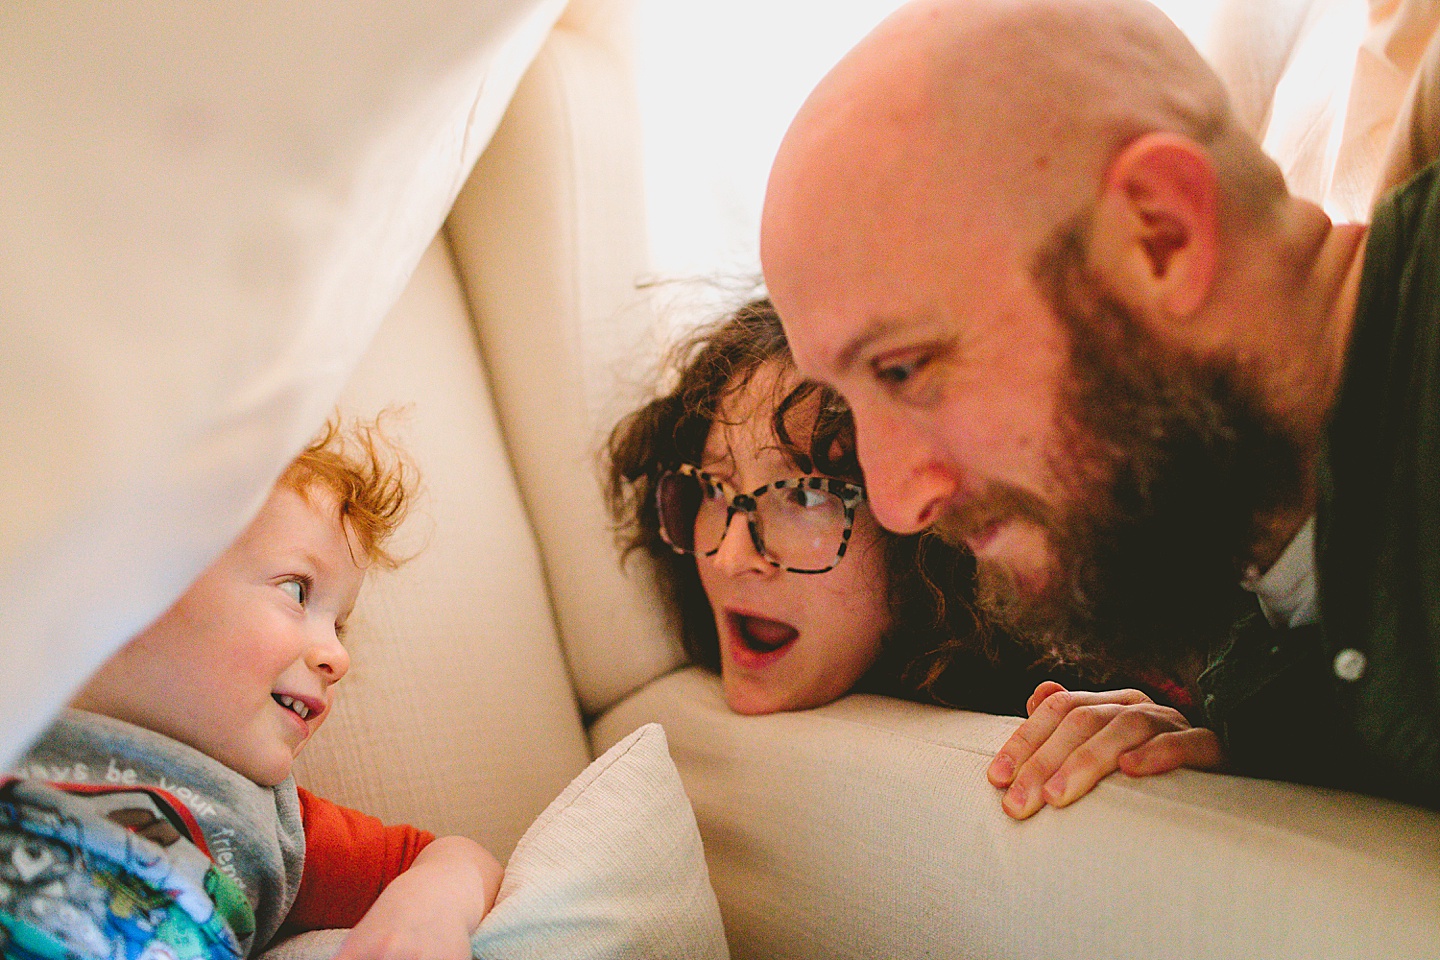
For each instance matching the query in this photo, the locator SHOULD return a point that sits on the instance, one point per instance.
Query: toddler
(186, 737)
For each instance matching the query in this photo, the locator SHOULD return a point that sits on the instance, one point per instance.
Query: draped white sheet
(205, 211)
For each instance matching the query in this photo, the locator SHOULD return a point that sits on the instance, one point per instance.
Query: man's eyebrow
(872, 330)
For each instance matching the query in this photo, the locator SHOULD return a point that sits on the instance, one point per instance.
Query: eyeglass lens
(799, 527)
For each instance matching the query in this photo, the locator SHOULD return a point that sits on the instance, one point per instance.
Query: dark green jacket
(1354, 701)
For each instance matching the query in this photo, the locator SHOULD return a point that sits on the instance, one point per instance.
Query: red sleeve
(349, 858)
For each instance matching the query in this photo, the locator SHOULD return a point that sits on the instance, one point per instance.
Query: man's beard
(1168, 463)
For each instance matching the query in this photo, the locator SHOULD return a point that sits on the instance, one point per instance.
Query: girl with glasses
(742, 482)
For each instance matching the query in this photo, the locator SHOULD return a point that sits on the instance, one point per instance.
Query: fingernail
(1054, 790)
(1015, 798)
(1002, 768)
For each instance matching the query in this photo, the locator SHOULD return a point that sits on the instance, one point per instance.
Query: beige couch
(512, 649)
(184, 266)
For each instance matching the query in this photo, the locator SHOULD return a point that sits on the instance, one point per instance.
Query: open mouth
(761, 635)
(297, 707)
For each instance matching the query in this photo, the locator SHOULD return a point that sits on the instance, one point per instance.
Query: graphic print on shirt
(120, 873)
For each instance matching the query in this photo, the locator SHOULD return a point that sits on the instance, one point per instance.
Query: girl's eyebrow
(711, 464)
(309, 557)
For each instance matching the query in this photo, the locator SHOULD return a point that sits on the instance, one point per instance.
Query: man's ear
(1155, 230)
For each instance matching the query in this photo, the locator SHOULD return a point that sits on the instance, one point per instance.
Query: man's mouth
(975, 522)
(978, 538)
(972, 525)
(762, 635)
(295, 705)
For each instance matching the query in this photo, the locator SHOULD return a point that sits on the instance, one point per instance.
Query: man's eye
(895, 374)
(296, 589)
(898, 368)
(908, 375)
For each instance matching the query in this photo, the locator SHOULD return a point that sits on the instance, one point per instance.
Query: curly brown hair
(928, 617)
(370, 477)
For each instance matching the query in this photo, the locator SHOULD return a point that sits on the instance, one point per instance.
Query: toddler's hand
(430, 910)
(1073, 739)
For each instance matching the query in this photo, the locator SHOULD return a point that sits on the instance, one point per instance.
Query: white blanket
(207, 210)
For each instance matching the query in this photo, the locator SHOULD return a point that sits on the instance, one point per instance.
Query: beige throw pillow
(612, 869)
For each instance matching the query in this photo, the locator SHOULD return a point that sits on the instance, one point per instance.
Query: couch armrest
(866, 829)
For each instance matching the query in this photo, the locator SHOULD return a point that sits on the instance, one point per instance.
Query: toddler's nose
(329, 658)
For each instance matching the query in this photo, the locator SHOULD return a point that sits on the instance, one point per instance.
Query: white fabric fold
(207, 211)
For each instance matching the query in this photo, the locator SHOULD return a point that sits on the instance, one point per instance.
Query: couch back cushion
(549, 236)
(458, 714)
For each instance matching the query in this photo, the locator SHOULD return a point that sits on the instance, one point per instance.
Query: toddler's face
(788, 640)
(242, 666)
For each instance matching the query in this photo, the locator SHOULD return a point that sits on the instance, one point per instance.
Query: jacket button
(1350, 664)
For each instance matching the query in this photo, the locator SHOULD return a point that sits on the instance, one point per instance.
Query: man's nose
(906, 486)
(737, 553)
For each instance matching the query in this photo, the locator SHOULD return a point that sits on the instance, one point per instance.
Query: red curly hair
(369, 475)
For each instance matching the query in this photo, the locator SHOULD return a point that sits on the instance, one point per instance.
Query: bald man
(1085, 330)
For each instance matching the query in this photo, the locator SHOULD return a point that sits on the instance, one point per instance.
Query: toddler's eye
(296, 590)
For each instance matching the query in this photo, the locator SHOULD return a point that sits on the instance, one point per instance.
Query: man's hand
(430, 910)
(1072, 740)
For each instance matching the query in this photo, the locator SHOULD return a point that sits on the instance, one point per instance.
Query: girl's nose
(737, 553)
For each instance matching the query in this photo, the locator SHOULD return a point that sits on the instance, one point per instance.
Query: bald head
(1080, 325)
(986, 114)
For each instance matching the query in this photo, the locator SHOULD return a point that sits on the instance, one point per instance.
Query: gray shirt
(253, 834)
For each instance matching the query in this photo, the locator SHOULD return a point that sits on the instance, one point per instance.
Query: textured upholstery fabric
(866, 829)
(457, 715)
(312, 945)
(612, 870)
(549, 237)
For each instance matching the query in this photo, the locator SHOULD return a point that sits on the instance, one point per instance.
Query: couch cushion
(457, 715)
(550, 240)
(612, 870)
(867, 829)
